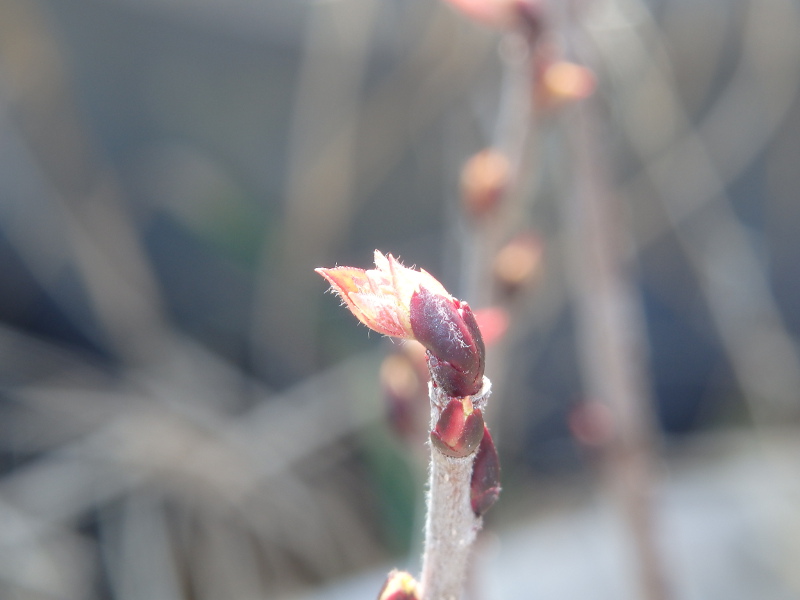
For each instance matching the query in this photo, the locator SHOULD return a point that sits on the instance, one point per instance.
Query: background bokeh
(184, 413)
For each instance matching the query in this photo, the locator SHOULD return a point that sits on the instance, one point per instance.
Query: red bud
(448, 330)
(485, 482)
(459, 430)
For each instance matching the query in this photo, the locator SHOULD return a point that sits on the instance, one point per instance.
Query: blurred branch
(764, 357)
(59, 167)
(612, 346)
(612, 341)
(320, 181)
(344, 142)
(154, 437)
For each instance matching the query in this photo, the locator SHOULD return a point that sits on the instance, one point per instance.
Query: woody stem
(451, 525)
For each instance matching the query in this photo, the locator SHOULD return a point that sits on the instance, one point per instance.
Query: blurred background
(184, 413)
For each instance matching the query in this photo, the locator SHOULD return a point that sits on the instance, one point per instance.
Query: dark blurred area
(184, 413)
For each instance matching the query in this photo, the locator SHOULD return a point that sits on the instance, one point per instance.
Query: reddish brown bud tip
(459, 430)
(379, 297)
(448, 330)
(399, 586)
(485, 482)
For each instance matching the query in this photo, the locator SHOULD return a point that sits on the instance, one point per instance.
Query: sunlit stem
(451, 525)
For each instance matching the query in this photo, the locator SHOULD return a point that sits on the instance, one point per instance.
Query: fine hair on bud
(448, 330)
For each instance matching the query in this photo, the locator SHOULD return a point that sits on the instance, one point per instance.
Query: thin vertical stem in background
(511, 137)
(320, 181)
(612, 345)
(78, 195)
(765, 360)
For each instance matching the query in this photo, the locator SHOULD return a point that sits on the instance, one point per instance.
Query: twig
(451, 524)
(612, 344)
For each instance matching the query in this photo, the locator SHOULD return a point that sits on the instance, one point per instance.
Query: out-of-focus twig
(344, 141)
(765, 358)
(320, 186)
(612, 349)
(98, 233)
(611, 339)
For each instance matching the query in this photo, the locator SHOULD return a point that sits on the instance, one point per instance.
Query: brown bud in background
(518, 263)
(405, 392)
(484, 181)
(592, 424)
(561, 82)
(459, 430)
(485, 482)
(399, 586)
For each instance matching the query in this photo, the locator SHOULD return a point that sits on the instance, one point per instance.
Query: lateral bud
(485, 481)
(399, 586)
(485, 179)
(459, 430)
